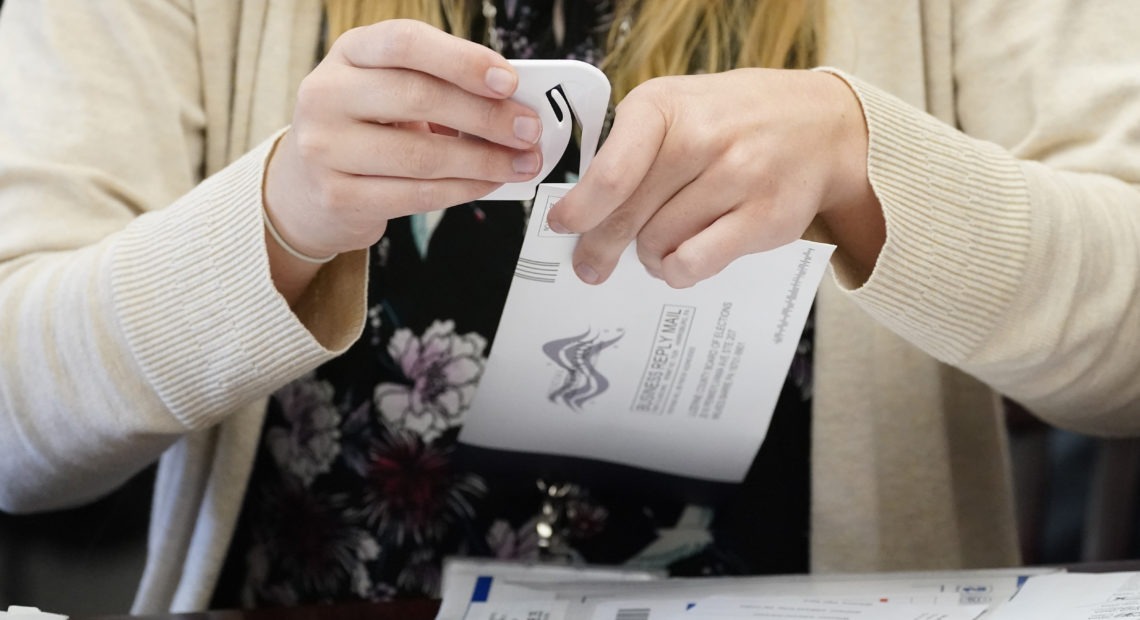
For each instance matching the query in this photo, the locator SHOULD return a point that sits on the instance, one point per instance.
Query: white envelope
(681, 381)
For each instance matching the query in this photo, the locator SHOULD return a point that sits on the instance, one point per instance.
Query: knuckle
(608, 180)
(311, 145)
(330, 196)
(684, 269)
(420, 97)
(359, 33)
(394, 39)
(649, 257)
(421, 160)
(307, 90)
(645, 93)
(491, 164)
(676, 280)
(651, 250)
(487, 119)
(621, 225)
(645, 90)
(311, 94)
(425, 197)
(473, 59)
(734, 158)
(348, 38)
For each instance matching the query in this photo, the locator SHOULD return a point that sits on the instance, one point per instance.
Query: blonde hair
(648, 38)
(450, 15)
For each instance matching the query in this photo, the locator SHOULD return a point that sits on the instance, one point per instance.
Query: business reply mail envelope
(634, 372)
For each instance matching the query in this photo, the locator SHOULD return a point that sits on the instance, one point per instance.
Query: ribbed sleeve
(197, 304)
(958, 228)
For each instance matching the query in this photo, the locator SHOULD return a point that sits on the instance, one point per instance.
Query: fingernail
(500, 80)
(556, 227)
(527, 129)
(526, 163)
(586, 273)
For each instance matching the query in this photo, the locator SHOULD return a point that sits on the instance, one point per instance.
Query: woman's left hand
(703, 169)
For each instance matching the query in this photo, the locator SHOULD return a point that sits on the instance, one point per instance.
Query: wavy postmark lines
(577, 357)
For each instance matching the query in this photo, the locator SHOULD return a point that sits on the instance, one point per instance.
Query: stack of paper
(18, 612)
(493, 591)
(1075, 596)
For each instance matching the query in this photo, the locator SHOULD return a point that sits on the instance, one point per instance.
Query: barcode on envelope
(537, 270)
(633, 613)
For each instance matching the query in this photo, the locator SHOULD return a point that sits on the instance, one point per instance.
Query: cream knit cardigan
(138, 320)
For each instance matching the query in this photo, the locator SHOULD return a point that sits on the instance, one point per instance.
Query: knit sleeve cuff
(957, 222)
(199, 309)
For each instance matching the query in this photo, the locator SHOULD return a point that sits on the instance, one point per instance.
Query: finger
(637, 136)
(347, 212)
(390, 197)
(709, 251)
(746, 229)
(409, 44)
(378, 150)
(686, 214)
(599, 248)
(399, 95)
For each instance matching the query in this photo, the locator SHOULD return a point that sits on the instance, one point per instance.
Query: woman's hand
(703, 169)
(399, 118)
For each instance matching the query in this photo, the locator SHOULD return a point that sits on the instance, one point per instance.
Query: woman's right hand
(398, 118)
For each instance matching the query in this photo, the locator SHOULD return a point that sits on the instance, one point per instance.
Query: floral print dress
(357, 490)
